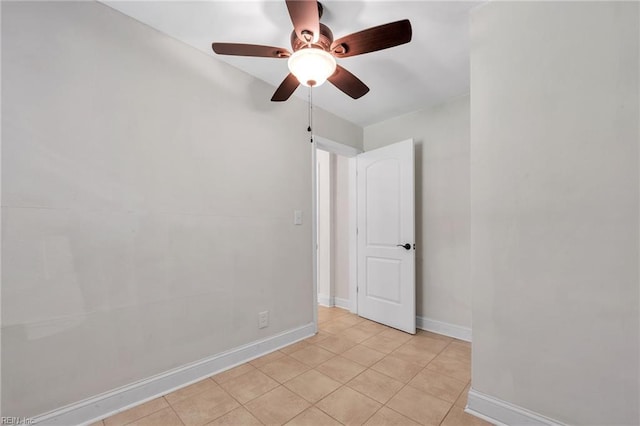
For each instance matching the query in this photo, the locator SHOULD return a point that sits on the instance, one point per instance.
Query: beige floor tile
(136, 413)
(357, 334)
(340, 369)
(295, 347)
(394, 334)
(249, 386)
(348, 406)
(312, 355)
(205, 407)
(350, 320)
(414, 354)
(266, 359)
(419, 406)
(331, 314)
(397, 368)
(452, 366)
(428, 343)
(277, 406)
(312, 385)
(319, 336)
(458, 349)
(375, 385)
(313, 417)
(336, 344)
(387, 417)
(370, 326)
(333, 327)
(190, 390)
(462, 399)
(436, 384)
(239, 416)
(98, 423)
(363, 355)
(283, 369)
(462, 345)
(238, 371)
(164, 417)
(382, 344)
(457, 417)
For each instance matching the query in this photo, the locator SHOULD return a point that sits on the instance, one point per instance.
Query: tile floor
(354, 371)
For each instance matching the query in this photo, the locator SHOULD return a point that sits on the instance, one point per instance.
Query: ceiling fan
(313, 60)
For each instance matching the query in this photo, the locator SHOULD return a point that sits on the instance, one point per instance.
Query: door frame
(350, 152)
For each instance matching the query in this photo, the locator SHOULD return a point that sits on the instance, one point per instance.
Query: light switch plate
(263, 319)
(297, 217)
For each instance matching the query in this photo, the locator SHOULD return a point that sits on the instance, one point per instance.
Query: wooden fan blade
(240, 49)
(348, 83)
(305, 18)
(286, 88)
(373, 39)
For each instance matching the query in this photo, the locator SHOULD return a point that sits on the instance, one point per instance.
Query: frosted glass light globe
(312, 66)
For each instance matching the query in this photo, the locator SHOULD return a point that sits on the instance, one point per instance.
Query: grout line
(448, 411)
(398, 412)
(314, 405)
(241, 405)
(374, 413)
(139, 405)
(176, 413)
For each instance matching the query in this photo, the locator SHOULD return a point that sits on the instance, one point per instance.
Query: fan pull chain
(310, 128)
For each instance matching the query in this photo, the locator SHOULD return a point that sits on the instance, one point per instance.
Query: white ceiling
(432, 68)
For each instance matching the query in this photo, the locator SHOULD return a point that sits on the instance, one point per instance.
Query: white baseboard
(342, 303)
(110, 403)
(451, 330)
(334, 301)
(325, 301)
(503, 413)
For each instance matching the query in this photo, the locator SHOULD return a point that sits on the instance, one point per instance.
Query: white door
(386, 269)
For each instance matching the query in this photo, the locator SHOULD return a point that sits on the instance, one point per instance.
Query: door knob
(406, 246)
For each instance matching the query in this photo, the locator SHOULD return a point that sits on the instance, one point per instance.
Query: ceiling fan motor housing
(324, 41)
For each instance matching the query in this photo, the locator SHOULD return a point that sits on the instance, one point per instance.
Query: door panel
(386, 271)
(383, 202)
(384, 277)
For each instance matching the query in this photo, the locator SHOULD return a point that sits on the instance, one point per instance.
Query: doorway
(335, 224)
(333, 229)
(381, 260)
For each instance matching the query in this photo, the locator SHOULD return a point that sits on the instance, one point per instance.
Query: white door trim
(336, 147)
(350, 152)
(353, 236)
(314, 238)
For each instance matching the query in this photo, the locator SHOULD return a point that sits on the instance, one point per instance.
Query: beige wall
(554, 208)
(147, 204)
(441, 137)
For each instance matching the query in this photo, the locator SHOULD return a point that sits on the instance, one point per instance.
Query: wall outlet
(263, 319)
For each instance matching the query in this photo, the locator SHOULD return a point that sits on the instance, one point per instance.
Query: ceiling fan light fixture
(312, 66)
